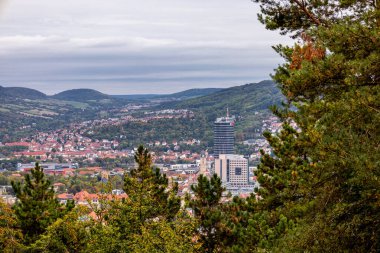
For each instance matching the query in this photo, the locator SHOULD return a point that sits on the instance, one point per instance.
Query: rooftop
(231, 157)
(225, 120)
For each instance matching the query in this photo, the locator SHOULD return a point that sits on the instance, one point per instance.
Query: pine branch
(307, 12)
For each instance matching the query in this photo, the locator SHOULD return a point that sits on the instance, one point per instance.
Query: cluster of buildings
(72, 143)
(179, 112)
(232, 169)
(67, 145)
(88, 199)
(146, 117)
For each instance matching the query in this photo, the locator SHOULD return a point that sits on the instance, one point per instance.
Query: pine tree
(207, 209)
(325, 174)
(150, 199)
(163, 236)
(37, 207)
(69, 234)
(149, 190)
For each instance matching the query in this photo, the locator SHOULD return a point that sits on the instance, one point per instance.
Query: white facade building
(232, 169)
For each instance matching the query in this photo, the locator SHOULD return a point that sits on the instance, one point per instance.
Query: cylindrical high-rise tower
(224, 136)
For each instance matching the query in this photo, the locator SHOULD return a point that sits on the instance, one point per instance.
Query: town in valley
(71, 152)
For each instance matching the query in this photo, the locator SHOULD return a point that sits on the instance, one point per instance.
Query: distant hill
(20, 92)
(80, 95)
(183, 95)
(240, 100)
(192, 93)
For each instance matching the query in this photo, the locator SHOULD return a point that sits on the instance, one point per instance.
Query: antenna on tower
(228, 112)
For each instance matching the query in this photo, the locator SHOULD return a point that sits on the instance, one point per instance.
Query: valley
(93, 126)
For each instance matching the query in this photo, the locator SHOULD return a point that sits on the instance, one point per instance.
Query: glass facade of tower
(224, 137)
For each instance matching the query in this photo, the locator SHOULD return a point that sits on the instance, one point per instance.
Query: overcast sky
(133, 46)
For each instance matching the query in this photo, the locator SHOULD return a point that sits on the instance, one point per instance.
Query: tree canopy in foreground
(325, 174)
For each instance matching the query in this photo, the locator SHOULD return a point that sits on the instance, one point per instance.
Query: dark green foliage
(8, 150)
(192, 93)
(298, 16)
(147, 187)
(183, 95)
(325, 175)
(237, 225)
(241, 100)
(150, 198)
(206, 206)
(167, 237)
(283, 177)
(69, 234)
(145, 132)
(37, 206)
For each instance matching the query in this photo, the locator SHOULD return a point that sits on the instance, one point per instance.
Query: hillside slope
(192, 93)
(240, 100)
(178, 96)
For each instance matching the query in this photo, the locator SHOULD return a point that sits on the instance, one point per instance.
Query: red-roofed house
(97, 169)
(36, 154)
(86, 172)
(84, 198)
(64, 197)
(13, 144)
(59, 187)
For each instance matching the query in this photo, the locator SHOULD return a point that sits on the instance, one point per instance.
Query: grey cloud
(133, 46)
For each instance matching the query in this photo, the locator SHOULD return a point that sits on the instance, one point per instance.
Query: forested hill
(183, 95)
(192, 93)
(240, 100)
(20, 92)
(81, 95)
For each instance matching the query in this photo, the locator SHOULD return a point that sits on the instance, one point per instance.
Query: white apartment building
(232, 169)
